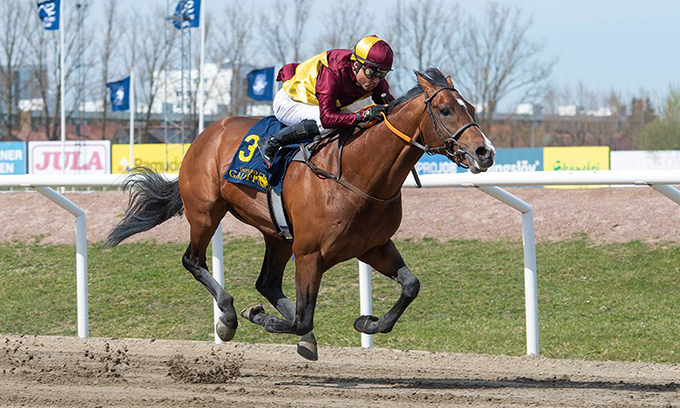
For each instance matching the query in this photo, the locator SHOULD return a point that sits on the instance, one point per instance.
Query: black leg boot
(290, 134)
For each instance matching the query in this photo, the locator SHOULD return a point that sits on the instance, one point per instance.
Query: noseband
(451, 148)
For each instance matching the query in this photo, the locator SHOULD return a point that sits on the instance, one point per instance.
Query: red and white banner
(81, 157)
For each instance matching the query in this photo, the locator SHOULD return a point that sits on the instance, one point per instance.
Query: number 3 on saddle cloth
(248, 168)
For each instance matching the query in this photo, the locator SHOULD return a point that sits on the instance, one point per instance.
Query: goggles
(371, 72)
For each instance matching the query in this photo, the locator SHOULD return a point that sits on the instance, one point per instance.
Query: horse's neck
(379, 161)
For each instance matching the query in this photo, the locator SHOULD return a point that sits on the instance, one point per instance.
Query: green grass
(608, 302)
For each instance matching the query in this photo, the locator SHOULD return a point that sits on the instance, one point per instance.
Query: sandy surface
(604, 214)
(69, 372)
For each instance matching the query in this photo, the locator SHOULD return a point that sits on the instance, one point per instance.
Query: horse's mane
(432, 75)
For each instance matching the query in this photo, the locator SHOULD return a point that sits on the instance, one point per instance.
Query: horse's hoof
(366, 324)
(223, 331)
(308, 350)
(252, 311)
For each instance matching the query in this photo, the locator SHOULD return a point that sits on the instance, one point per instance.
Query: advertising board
(163, 158)
(12, 158)
(518, 159)
(81, 157)
(576, 158)
(645, 160)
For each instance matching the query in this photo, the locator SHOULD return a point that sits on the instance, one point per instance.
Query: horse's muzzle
(481, 159)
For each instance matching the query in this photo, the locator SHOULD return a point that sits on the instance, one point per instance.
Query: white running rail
(489, 183)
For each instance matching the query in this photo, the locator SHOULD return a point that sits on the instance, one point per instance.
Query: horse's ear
(425, 84)
(450, 82)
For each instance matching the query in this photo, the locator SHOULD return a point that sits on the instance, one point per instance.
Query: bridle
(451, 148)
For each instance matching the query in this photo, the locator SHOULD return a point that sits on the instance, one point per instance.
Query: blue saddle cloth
(247, 166)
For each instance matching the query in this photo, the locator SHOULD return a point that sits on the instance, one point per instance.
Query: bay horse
(331, 222)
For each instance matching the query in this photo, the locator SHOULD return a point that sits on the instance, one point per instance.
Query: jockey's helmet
(373, 52)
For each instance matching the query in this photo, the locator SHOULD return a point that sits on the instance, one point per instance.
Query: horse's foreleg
(308, 272)
(269, 284)
(387, 260)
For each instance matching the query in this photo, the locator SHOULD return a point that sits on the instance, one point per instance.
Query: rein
(328, 175)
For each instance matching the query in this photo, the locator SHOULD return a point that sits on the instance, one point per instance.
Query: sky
(624, 45)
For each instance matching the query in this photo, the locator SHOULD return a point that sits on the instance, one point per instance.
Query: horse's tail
(153, 201)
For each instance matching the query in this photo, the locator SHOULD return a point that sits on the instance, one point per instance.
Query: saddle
(248, 168)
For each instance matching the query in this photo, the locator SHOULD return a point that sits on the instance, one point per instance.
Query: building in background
(224, 92)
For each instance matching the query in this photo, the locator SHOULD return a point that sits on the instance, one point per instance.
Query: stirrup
(267, 159)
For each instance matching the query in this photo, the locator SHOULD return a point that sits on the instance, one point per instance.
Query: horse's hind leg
(269, 284)
(387, 260)
(204, 219)
(309, 269)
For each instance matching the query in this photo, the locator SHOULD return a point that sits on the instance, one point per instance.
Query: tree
(15, 20)
(583, 117)
(283, 40)
(42, 44)
(422, 35)
(342, 23)
(234, 47)
(641, 113)
(428, 33)
(71, 63)
(107, 51)
(147, 55)
(606, 130)
(663, 133)
(497, 58)
(44, 62)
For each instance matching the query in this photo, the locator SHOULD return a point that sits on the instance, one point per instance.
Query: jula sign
(87, 157)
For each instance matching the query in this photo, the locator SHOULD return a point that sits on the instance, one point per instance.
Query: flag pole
(132, 116)
(63, 87)
(201, 74)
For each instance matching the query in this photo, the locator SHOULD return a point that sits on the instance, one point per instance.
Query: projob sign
(81, 157)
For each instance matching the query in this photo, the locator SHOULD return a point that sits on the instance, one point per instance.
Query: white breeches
(291, 112)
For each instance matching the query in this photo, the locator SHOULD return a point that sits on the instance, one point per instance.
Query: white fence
(489, 183)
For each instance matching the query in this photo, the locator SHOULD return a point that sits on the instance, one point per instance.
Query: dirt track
(69, 372)
(603, 214)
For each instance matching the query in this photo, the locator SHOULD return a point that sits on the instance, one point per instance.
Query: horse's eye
(445, 111)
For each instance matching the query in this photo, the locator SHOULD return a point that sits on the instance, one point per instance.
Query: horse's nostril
(482, 152)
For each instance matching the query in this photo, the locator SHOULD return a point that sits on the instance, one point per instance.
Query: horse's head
(450, 124)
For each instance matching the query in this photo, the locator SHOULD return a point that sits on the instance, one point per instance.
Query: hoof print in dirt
(211, 369)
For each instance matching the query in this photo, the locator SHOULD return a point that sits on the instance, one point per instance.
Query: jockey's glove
(371, 113)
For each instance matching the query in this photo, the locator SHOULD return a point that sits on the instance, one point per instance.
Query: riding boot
(290, 134)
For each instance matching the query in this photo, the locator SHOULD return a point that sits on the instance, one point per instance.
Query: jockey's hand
(371, 113)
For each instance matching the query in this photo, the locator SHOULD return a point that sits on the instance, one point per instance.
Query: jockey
(314, 92)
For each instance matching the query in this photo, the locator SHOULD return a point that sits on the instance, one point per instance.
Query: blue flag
(261, 84)
(187, 14)
(48, 10)
(120, 94)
